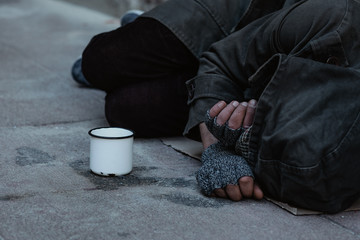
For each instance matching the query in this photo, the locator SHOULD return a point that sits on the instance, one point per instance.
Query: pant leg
(143, 68)
(144, 50)
(151, 109)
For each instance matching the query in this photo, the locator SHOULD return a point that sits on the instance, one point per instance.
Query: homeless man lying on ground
(298, 59)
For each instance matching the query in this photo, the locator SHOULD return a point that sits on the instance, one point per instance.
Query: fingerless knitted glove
(237, 139)
(226, 135)
(220, 168)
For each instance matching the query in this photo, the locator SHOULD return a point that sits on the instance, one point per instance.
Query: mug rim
(131, 134)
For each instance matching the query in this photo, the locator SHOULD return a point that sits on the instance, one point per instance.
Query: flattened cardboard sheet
(300, 211)
(194, 149)
(187, 146)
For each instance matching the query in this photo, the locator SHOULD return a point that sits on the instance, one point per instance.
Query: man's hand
(236, 115)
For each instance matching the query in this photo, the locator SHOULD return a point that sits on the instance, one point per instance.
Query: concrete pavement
(46, 189)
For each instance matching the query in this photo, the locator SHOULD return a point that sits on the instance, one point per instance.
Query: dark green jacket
(200, 23)
(302, 64)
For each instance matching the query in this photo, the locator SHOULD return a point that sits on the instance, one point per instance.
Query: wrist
(207, 138)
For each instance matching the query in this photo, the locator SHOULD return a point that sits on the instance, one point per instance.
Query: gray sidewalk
(46, 189)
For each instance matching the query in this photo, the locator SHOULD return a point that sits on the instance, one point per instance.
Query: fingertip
(237, 117)
(250, 114)
(219, 193)
(224, 114)
(244, 104)
(258, 193)
(252, 103)
(233, 192)
(221, 104)
(216, 109)
(246, 185)
(235, 103)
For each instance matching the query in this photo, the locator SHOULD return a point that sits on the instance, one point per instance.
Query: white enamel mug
(111, 151)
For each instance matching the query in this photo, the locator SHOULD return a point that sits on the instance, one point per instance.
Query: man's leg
(143, 68)
(150, 108)
(76, 70)
(144, 50)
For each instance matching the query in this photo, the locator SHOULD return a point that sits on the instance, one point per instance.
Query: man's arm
(225, 70)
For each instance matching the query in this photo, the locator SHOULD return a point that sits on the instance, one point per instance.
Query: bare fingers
(217, 108)
(247, 188)
(219, 192)
(237, 117)
(231, 192)
(226, 113)
(258, 193)
(250, 112)
(243, 115)
(236, 114)
(223, 111)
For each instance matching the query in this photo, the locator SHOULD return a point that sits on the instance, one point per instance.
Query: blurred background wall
(116, 8)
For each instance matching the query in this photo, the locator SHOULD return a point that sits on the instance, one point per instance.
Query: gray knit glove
(220, 168)
(226, 135)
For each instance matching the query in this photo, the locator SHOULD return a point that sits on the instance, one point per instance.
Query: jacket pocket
(329, 49)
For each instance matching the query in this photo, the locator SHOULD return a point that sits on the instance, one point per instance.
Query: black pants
(143, 68)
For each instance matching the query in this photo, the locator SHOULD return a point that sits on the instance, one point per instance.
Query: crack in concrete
(342, 226)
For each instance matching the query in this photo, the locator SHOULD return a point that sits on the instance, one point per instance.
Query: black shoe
(130, 16)
(77, 74)
(76, 71)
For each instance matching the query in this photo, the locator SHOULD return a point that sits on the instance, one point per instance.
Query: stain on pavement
(135, 178)
(29, 156)
(192, 200)
(13, 197)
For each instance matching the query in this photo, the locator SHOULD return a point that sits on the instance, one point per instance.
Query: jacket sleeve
(224, 69)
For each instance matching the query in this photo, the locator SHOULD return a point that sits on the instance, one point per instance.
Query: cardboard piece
(300, 211)
(194, 149)
(184, 145)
